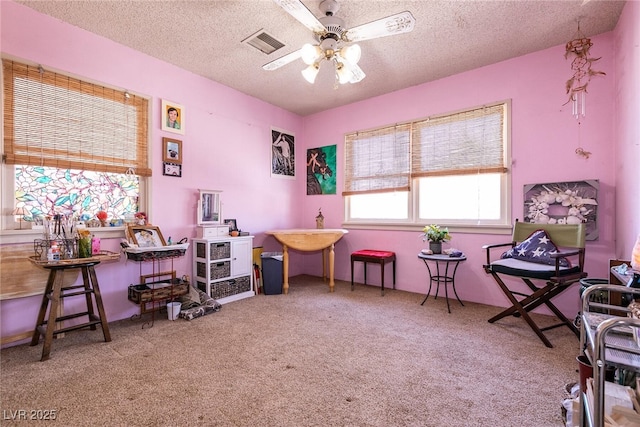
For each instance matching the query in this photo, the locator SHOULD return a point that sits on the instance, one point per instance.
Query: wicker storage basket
(155, 255)
(220, 250)
(201, 249)
(157, 291)
(220, 270)
(201, 286)
(230, 287)
(152, 254)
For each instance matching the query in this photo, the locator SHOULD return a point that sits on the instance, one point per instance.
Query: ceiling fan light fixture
(311, 72)
(310, 53)
(336, 43)
(351, 53)
(344, 72)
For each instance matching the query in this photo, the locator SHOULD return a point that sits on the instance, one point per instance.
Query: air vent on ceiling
(264, 42)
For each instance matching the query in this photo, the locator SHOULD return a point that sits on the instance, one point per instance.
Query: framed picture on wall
(172, 169)
(571, 202)
(171, 150)
(282, 154)
(172, 117)
(321, 170)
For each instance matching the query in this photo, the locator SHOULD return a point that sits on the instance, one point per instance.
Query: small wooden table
(445, 277)
(55, 292)
(308, 240)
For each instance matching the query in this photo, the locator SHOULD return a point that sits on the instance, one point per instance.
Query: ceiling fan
(335, 42)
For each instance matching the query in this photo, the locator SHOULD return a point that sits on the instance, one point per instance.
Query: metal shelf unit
(607, 340)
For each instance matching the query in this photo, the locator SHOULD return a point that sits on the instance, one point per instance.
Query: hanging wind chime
(576, 87)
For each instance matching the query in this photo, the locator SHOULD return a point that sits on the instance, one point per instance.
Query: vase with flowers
(435, 235)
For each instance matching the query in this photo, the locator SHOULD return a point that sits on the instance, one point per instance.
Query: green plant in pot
(435, 235)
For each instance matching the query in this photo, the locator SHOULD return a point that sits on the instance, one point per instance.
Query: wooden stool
(379, 257)
(55, 292)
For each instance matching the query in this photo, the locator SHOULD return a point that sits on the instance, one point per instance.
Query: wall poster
(321, 167)
(282, 154)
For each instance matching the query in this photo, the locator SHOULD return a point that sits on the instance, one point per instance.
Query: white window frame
(413, 222)
(9, 229)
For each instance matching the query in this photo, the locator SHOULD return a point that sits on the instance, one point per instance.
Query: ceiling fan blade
(299, 11)
(399, 23)
(358, 74)
(283, 60)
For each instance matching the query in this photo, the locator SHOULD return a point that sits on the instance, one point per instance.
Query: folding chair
(553, 256)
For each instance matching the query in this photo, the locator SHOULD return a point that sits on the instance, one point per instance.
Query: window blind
(468, 142)
(54, 120)
(377, 160)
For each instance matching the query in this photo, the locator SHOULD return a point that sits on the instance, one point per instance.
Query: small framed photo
(172, 117)
(146, 236)
(171, 150)
(233, 225)
(172, 169)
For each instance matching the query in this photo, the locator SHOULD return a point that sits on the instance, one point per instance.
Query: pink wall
(627, 129)
(544, 138)
(227, 147)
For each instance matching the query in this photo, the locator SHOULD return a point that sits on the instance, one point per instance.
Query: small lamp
(19, 212)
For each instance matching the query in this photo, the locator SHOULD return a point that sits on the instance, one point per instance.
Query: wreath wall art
(563, 203)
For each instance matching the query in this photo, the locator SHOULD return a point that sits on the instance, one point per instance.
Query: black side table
(446, 263)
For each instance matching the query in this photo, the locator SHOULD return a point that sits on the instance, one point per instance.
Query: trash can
(272, 275)
(585, 283)
(601, 297)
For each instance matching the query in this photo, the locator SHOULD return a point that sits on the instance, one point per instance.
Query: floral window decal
(563, 203)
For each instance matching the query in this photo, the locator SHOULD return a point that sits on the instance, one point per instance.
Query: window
(72, 146)
(449, 169)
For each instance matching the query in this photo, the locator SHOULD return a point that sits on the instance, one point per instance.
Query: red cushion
(373, 253)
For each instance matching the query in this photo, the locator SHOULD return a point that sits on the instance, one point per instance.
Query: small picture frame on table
(233, 225)
(147, 236)
(172, 169)
(171, 150)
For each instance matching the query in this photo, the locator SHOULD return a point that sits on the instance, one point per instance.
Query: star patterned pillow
(536, 248)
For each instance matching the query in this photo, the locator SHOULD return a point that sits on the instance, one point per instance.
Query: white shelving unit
(222, 267)
(607, 340)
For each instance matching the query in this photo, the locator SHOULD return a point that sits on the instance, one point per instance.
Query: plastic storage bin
(272, 275)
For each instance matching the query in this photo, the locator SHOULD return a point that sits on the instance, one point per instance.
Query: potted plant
(435, 235)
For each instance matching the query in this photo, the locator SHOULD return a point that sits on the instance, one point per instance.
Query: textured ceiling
(205, 37)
